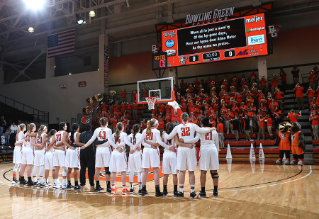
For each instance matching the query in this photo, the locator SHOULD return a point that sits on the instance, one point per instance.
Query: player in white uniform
(135, 159)
(186, 156)
(73, 157)
(48, 158)
(169, 160)
(102, 136)
(208, 156)
(118, 161)
(39, 155)
(61, 142)
(151, 157)
(27, 155)
(17, 154)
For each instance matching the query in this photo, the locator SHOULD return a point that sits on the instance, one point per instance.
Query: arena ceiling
(122, 20)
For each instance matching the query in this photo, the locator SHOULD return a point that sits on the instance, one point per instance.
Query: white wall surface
(45, 94)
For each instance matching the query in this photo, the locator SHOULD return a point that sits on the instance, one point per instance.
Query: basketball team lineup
(51, 150)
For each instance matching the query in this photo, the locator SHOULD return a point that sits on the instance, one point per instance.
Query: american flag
(61, 43)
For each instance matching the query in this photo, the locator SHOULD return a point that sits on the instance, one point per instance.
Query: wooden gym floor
(246, 190)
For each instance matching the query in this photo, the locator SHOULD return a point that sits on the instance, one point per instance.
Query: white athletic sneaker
(278, 162)
(55, 185)
(48, 183)
(287, 162)
(64, 186)
(300, 162)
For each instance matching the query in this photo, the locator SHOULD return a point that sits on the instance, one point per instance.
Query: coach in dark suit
(87, 156)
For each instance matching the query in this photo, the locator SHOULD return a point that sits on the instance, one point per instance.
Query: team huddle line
(59, 149)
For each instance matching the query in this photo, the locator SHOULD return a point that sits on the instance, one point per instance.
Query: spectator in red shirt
(261, 120)
(220, 131)
(314, 118)
(196, 82)
(299, 96)
(144, 93)
(104, 108)
(263, 84)
(274, 83)
(208, 81)
(310, 94)
(252, 75)
(182, 84)
(123, 95)
(216, 80)
(312, 80)
(229, 116)
(251, 117)
(283, 79)
(293, 116)
(269, 126)
(135, 108)
(144, 124)
(161, 125)
(279, 97)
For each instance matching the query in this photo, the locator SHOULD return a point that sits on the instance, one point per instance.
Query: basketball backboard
(161, 88)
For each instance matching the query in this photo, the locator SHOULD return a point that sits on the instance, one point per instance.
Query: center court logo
(170, 43)
(255, 40)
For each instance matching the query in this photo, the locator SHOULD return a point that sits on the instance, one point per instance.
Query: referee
(87, 156)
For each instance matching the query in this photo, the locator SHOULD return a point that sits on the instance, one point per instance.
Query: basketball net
(150, 102)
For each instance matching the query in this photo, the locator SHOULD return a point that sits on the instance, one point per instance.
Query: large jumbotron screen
(241, 37)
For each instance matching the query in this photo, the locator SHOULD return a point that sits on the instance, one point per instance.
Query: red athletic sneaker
(125, 192)
(114, 191)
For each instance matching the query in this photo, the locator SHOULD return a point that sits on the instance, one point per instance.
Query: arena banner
(106, 66)
(217, 14)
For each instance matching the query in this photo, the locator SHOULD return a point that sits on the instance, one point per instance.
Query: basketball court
(255, 190)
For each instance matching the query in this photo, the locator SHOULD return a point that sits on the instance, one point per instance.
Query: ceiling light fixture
(34, 4)
(92, 14)
(30, 30)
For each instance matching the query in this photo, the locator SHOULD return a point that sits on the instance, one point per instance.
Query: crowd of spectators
(8, 131)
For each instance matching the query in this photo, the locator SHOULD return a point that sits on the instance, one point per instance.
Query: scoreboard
(241, 37)
(159, 61)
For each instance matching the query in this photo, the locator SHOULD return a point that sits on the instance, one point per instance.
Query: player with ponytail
(48, 158)
(28, 155)
(118, 162)
(39, 155)
(135, 158)
(17, 154)
(169, 160)
(73, 157)
(151, 156)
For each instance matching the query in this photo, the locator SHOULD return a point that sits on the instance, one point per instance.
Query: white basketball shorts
(102, 157)
(58, 158)
(118, 162)
(17, 155)
(135, 162)
(72, 159)
(151, 158)
(48, 161)
(186, 159)
(27, 156)
(38, 158)
(208, 159)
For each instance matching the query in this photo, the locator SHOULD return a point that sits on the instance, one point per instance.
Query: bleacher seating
(12, 113)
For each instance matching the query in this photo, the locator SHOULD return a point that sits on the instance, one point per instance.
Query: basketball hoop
(150, 102)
